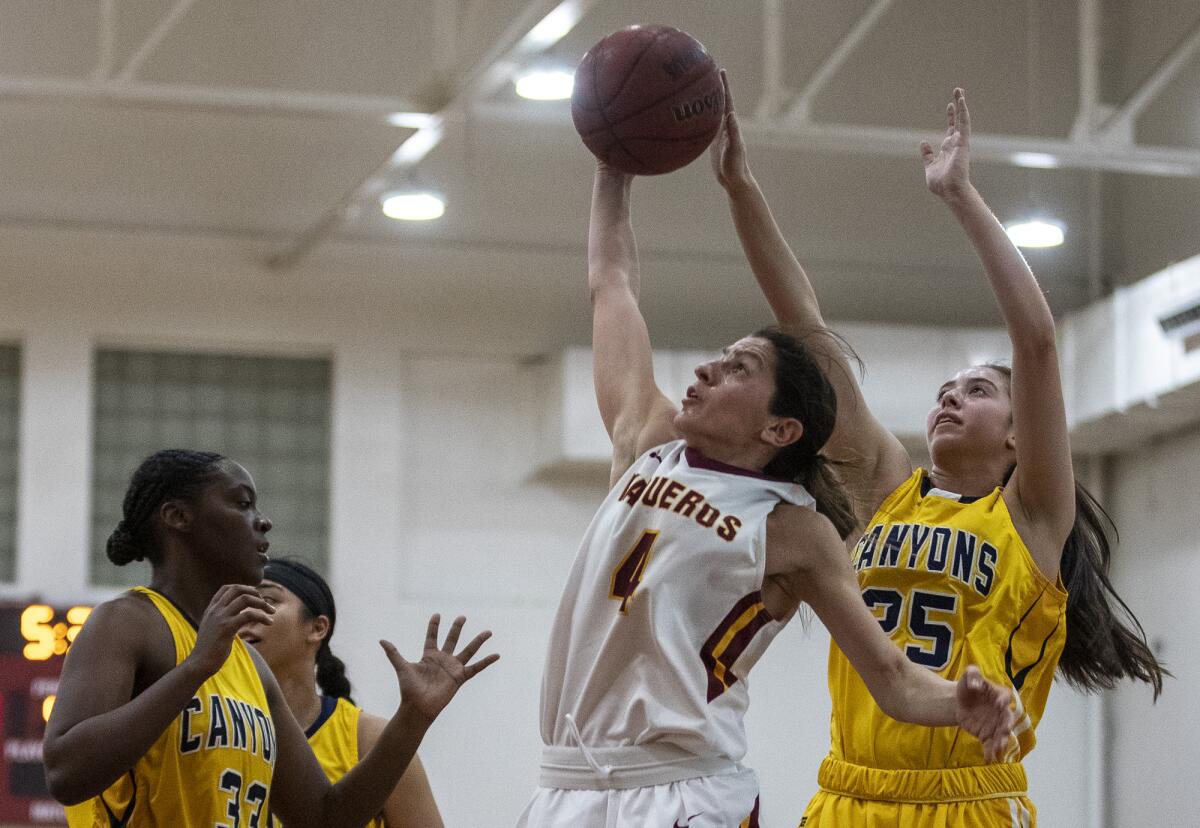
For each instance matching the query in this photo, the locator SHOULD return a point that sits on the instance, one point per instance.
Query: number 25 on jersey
(933, 639)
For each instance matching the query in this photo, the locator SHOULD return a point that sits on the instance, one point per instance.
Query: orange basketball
(647, 99)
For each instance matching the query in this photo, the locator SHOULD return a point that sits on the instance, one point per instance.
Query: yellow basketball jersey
(334, 740)
(211, 766)
(953, 585)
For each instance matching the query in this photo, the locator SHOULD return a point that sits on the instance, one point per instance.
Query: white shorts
(727, 800)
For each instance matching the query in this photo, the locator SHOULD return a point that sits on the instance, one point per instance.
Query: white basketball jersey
(662, 616)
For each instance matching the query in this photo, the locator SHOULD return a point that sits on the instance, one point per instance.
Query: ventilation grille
(1183, 322)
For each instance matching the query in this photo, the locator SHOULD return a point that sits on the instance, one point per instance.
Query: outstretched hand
(728, 149)
(985, 711)
(428, 685)
(948, 171)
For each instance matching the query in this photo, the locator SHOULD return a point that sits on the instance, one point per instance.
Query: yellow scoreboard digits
(45, 638)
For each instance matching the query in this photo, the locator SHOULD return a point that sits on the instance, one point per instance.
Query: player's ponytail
(1105, 641)
(802, 391)
(314, 593)
(331, 674)
(170, 474)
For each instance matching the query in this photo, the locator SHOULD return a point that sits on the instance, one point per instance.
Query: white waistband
(620, 768)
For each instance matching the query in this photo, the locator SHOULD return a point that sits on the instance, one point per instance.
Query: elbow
(66, 774)
(62, 786)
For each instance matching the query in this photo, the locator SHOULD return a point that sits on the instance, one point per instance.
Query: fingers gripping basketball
(647, 100)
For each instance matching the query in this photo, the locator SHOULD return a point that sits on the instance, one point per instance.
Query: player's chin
(684, 423)
(249, 575)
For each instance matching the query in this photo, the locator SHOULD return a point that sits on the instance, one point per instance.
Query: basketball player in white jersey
(721, 520)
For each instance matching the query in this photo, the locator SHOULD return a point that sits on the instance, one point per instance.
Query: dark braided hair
(803, 391)
(170, 474)
(1105, 641)
(316, 597)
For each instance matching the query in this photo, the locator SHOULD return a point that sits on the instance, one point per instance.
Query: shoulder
(128, 619)
(655, 446)
(370, 727)
(1043, 533)
(130, 603)
(800, 538)
(124, 633)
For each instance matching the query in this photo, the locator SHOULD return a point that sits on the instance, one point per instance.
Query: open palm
(947, 171)
(429, 684)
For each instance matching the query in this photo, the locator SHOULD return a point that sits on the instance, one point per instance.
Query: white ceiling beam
(156, 36)
(774, 93)
(445, 37)
(105, 39)
(540, 25)
(1119, 127)
(1088, 114)
(172, 97)
(801, 111)
(1015, 150)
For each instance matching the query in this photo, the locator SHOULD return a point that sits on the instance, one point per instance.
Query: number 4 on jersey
(628, 574)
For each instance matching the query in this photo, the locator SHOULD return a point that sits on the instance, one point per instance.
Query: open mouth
(250, 639)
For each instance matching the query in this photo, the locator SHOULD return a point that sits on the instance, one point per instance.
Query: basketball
(647, 100)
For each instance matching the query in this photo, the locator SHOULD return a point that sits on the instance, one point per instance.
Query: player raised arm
(876, 460)
(411, 804)
(635, 412)
(815, 569)
(1043, 485)
(301, 794)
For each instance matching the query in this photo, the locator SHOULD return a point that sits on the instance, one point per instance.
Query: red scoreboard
(33, 640)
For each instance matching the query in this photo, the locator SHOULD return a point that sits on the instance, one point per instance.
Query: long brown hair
(1105, 641)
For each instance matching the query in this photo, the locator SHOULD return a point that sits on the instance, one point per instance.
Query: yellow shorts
(991, 796)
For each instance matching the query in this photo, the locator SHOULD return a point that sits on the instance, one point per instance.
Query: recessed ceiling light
(1035, 233)
(1036, 160)
(413, 206)
(546, 85)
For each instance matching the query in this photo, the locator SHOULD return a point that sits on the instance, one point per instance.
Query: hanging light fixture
(1035, 233)
(545, 84)
(413, 206)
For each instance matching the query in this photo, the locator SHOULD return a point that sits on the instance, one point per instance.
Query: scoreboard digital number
(34, 638)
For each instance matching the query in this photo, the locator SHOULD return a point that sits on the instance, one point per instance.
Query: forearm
(776, 269)
(360, 794)
(86, 759)
(412, 804)
(916, 695)
(1023, 306)
(612, 251)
